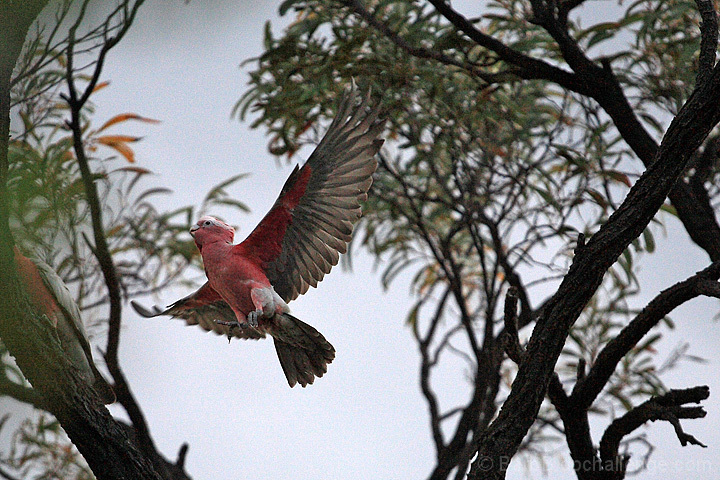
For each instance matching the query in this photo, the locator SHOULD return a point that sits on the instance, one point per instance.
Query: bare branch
(182, 453)
(22, 393)
(512, 347)
(129, 18)
(7, 476)
(605, 88)
(702, 283)
(101, 249)
(576, 430)
(666, 407)
(528, 67)
(564, 9)
(513, 278)
(544, 15)
(426, 364)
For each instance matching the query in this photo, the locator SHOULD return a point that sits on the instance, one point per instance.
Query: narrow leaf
(125, 117)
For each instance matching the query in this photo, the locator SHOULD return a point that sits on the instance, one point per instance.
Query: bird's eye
(207, 223)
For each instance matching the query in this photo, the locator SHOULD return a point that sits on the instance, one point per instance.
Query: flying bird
(50, 296)
(298, 241)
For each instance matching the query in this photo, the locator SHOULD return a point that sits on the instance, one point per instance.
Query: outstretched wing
(203, 308)
(311, 222)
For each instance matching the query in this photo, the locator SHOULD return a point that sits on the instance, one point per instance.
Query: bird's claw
(231, 325)
(252, 318)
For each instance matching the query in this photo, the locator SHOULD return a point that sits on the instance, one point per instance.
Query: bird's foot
(252, 318)
(234, 324)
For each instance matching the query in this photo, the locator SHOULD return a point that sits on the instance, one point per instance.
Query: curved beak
(194, 229)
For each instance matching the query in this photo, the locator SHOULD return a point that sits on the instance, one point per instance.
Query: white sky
(231, 403)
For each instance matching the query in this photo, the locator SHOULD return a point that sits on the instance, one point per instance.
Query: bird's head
(210, 229)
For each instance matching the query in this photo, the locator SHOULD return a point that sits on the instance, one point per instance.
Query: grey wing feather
(196, 309)
(71, 331)
(342, 166)
(65, 300)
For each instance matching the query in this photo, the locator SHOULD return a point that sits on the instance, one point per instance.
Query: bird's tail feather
(303, 352)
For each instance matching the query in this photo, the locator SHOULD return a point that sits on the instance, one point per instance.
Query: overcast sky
(230, 402)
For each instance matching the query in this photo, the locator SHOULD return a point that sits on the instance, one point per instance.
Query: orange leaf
(100, 86)
(123, 117)
(121, 148)
(108, 139)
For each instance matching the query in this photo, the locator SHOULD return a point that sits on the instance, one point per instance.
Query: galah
(50, 296)
(293, 247)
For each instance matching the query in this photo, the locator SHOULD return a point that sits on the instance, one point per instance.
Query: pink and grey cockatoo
(50, 296)
(293, 247)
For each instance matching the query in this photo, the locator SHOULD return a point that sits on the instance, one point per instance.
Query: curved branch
(702, 283)
(101, 249)
(426, 364)
(7, 476)
(529, 68)
(564, 9)
(76, 104)
(601, 84)
(512, 342)
(576, 431)
(666, 407)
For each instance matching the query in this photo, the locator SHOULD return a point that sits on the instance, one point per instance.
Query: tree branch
(708, 39)
(529, 68)
(589, 79)
(425, 366)
(22, 393)
(666, 407)
(702, 283)
(564, 9)
(601, 84)
(512, 341)
(576, 430)
(76, 104)
(101, 249)
(605, 88)
(686, 132)
(32, 340)
(513, 278)
(486, 379)
(7, 476)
